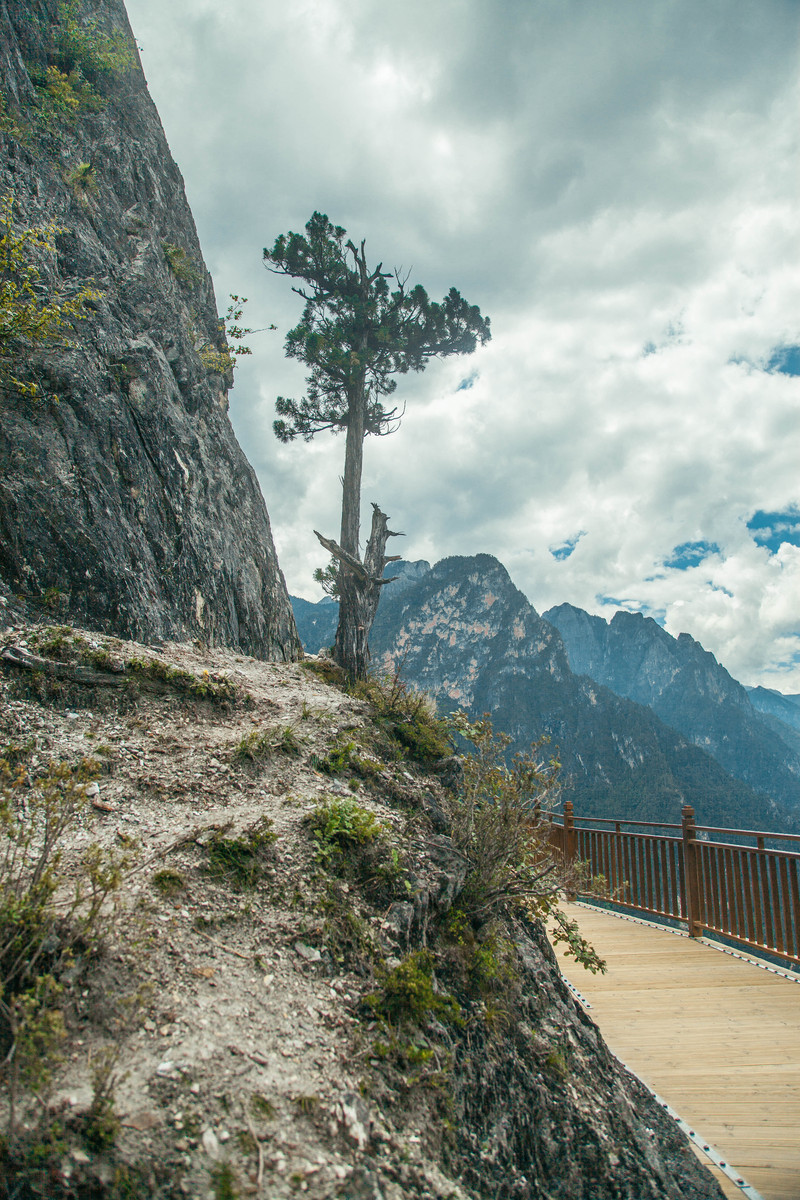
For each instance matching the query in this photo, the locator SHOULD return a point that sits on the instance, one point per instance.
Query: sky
(615, 184)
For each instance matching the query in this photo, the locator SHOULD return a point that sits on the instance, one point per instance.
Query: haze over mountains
(643, 722)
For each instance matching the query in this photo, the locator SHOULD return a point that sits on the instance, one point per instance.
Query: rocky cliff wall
(125, 499)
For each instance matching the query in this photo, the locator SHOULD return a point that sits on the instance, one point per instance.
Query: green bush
(339, 826)
(407, 993)
(80, 45)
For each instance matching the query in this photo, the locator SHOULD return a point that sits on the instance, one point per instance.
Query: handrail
(749, 894)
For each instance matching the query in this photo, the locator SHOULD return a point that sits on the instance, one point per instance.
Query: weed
(182, 264)
(345, 756)
(556, 1064)
(101, 1123)
(82, 181)
(347, 936)
(216, 688)
(262, 1107)
(341, 825)
(407, 716)
(223, 1182)
(168, 882)
(260, 744)
(40, 946)
(58, 642)
(307, 1105)
(407, 993)
(326, 669)
(241, 861)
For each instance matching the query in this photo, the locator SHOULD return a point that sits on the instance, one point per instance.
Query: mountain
(125, 499)
(776, 704)
(688, 689)
(316, 623)
(464, 633)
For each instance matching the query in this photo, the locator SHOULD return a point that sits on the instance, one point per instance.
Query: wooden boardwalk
(716, 1037)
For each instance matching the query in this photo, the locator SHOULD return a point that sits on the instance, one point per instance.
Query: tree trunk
(359, 592)
(351, 482)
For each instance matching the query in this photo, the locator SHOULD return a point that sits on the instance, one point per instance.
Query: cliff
(125, 499)
(297, 987)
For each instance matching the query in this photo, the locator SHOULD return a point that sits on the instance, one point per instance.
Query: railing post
(569, 832)
(692, 897)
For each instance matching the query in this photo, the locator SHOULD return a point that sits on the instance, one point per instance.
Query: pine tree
(358, 332)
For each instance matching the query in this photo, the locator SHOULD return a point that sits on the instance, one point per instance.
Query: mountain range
(642, 722)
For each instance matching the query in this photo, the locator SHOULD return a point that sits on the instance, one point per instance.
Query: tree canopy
(357, 331)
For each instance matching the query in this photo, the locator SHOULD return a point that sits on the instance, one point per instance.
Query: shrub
(38, 940)
(499, 824)
(32, 313)
(226, 358)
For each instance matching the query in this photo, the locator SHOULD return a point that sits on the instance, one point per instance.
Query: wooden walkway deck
(718, 1038)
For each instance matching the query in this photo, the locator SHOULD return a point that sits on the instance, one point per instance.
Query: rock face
(688, 689)
(125, 503)
(465, 634)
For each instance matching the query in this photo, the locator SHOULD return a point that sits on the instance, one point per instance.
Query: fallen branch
(222, 946)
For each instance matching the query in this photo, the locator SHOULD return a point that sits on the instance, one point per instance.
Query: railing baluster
(707, 863)
(727, 921)
(766, 902)
(738, 885)
(794, 888)
(675, 905)
(789, 942)
(775, 892)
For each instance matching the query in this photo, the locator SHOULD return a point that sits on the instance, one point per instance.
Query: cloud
(615, 186)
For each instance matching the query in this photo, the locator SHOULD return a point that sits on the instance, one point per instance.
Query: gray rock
(128, 502)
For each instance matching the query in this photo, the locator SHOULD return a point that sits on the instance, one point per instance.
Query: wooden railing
(742, 889)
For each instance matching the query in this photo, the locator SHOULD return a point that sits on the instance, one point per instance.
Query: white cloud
(615, 186)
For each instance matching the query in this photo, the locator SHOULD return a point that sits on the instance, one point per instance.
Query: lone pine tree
(357, 333)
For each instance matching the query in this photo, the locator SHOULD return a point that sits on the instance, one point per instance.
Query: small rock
(224, 1135)
(165, 1068)
(80, 1156)
(309, 953)
(355, 1118)
(211, 1144)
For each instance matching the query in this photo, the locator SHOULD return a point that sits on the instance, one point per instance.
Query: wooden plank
(716, 1036)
